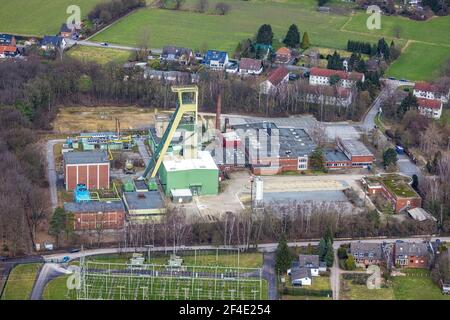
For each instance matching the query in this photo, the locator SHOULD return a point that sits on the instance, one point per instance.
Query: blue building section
(215, 58)
(82, 194)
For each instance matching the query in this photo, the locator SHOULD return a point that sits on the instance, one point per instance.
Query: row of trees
(105, 12)
(292, 39)
(23, 193)
(202, 6)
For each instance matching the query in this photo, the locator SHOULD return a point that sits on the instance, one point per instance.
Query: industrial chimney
(218, 111)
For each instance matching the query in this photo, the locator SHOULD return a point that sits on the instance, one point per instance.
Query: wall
(95, 176)
(182, 179)
(95, 220)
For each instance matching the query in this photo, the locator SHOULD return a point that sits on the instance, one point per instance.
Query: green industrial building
(200, 175)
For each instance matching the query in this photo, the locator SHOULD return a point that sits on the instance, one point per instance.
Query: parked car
(105, 44)
(75, 250)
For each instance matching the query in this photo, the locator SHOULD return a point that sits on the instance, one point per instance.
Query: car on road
(75, 250)
(2, 258)
(392, 78)
(105, 44)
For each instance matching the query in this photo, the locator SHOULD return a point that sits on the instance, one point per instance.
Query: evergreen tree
(410, 102)
(322, 249)
(305, 41)
(342, 253)
(328, 237)
(265, 35)
(350, 263)
(57, 223)
(283, 257)
(329, 256)
(317, 160)
(389, 157)
(292, 38)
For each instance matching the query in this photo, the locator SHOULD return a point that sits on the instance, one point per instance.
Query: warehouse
(90, 167)
(200, 174)
(272, 150)
(95, 215)
(357, 152)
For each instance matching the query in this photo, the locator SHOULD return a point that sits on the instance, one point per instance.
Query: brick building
(411, 255)
(89, 167)
(95, 215)
(396, 189)
(367, 253)
(357, 152)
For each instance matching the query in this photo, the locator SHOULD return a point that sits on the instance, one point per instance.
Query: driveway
(51, 171)
(269, 275)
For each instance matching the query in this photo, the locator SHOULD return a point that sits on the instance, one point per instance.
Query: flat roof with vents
(177, 163)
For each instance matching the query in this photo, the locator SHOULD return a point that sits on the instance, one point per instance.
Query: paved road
(269, 275)
(47, 273)
(87, 43)
(51, 171)
(335, 277)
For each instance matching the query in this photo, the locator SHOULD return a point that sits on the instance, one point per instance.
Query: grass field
(20, 282)
(196, 30)
(416, 285)
(99, 55)
(413, 65)
(38, 17)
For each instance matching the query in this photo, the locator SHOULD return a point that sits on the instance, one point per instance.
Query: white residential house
(431, 108)
(301, 277)
(429, 91)
(322, 77)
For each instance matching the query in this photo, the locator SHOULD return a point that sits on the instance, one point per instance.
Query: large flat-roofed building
(357, 152)
(144, 206)
(272, 150)
(95, 215)
(89, 167)
(200, 174)
(336, 159)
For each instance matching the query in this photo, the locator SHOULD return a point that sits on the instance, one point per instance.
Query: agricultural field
(20, 282)
(200, 31)
(99, 55)
(85, 119)
(38, 17)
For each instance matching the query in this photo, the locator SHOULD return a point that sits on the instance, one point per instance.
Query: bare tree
(202, 6)
(178, 4)
(222, 8)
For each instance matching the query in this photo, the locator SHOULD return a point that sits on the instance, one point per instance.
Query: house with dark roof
(250, 66)
(322, 77)
(216, 59)
(310, 261)
(177, 54)
(412, 254)
(53, 43)
(7, 40)
(367, 253)
(66, 32)
(301, 277)
(275, 80)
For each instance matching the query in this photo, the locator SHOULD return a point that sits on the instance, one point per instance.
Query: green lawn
(57, 290)
(360, 292)
(38, 17)
(20, 282)
(196, 30)
(99, 55)
(417, 285)
(413, 65)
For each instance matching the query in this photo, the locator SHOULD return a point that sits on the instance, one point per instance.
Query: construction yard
(101, 118)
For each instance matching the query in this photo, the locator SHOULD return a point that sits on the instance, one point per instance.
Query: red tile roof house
(283, 55)
(250, 66)
(319, 76)
(430, 108)
(7, 51)
(429, 91)
(412, 255)
(275, 80)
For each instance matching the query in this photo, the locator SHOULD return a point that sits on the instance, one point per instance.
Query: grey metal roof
(420, 214)
(355, 147)
(411, 249)
(143, 200)
(335, 156)
(284, 142)
(83, 157)
(300, 273)
(94, 206)
(361, 250)
(308, 260)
